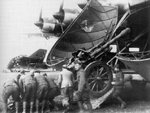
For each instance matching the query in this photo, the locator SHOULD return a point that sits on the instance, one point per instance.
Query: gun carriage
(97, 64)
(89, 36)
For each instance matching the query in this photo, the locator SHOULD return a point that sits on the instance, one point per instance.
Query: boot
(123, 105)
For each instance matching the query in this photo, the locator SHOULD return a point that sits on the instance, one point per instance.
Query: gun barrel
(123, 32)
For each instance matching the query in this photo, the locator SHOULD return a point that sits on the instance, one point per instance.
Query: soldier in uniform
(42, 91)
(83, 92)
(11, 88)
(118, 83)
(65, 82)
(28, 85)
(53, 91)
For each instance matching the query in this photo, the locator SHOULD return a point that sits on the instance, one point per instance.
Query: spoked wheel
(99, 78)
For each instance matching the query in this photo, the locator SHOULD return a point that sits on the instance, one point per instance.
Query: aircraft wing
(92, 26)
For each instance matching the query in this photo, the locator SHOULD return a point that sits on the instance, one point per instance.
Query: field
(138, 100)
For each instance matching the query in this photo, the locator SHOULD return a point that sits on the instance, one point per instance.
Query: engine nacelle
(48, 27)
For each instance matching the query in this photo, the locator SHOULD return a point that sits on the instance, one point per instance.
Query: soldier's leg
(43, 105)
(86, 99)
(16, 97)
(116, 95)
(70, 95)
(24, 106)
(4, 97)
(89, 106)
(123, 103)
(26, 97)
(44, 94)
(81, 107)
(78, 96)
(37, 105)
(38, 98)
(17, 106)
(31, 106)
(32, 96)
(7, 92)
(53, 92)
(65, 101)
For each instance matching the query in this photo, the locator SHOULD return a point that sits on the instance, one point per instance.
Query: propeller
(40, 22)
(61, 14)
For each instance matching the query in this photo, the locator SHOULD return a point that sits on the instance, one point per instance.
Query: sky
(17, 18)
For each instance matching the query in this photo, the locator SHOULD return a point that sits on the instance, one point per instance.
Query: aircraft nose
(39, 24)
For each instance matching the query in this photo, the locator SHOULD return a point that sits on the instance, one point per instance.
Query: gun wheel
(99, 78)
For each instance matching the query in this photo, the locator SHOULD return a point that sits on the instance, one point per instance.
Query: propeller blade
(61, 6)
(40, 17)
(40, 22)
(61, 14)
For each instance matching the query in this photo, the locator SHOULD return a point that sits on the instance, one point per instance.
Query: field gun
(97, 52)
(95, 60)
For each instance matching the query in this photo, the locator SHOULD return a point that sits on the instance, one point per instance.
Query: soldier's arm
(47, 81)
(36, 82)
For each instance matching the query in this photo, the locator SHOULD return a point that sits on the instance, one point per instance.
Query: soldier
(65, 82)
(11, 88)
(28, 85)
(118, 83)
(53, 90)
(83, 92)
(42, 91)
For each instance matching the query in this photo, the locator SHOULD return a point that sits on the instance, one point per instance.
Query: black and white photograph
(75, 56)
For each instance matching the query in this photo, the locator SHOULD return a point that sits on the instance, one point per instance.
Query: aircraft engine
(59, 22)
(82, 3)
(48, 27)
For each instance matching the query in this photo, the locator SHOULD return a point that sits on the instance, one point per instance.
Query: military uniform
(65, 82)
(11, 88)
(83, 92)
(53, 91)
(118, 84)
(27, 84)
(83, 87)
(41, 92)
(42, 87)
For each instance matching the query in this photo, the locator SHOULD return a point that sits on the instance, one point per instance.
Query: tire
(99, 78)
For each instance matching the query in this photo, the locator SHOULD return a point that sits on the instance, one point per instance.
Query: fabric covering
(93, 25)
(141, 66)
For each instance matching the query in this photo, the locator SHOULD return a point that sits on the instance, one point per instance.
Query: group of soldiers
(39, 89)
